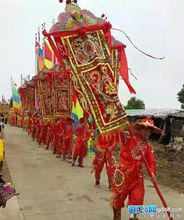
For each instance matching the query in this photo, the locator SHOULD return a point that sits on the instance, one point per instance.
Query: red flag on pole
(124, 71)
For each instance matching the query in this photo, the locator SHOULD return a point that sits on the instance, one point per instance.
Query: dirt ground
(170, 166)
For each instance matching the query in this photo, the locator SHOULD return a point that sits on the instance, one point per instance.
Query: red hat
(148, 122)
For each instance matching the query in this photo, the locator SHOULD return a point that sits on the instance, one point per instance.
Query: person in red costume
(68, 139)
(34, 123)
(52, 134)
(55, 135)
(20, 120)
(38, 126)
(48, 134)
(14, 120)
(60, 145)
(104, 156)
(42, 134)
(32, 127)
(128, 178)
(44, 137)
(83, 136)
(29, 124)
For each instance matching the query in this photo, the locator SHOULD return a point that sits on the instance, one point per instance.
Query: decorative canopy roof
(74, 18)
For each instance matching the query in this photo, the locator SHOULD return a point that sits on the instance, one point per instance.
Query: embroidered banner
(55, 95)
(87, 52)
(91, 64)
(63, 96)
(46, 98)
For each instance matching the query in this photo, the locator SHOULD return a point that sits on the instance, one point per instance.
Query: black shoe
(117, 213)
(97, 183)
(80, 165)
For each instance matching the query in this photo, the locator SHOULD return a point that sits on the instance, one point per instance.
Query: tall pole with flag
(15, 96)
(39, 58)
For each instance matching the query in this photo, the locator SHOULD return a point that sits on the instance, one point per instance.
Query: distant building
(171, 121)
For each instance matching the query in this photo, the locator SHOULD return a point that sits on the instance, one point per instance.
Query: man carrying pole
(128, 178)
(80, 149)
(68, 138)
(104, 157)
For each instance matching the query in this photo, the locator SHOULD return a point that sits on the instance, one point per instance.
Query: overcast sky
(156, 26)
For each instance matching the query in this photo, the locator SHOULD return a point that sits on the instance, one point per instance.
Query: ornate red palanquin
(94, 61)
(55, 93)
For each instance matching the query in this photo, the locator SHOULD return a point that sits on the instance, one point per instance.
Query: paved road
(53, 190)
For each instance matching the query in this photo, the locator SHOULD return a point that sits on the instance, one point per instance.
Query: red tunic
(38, 129)
(80, 150)
(42, 134)
(105, 157)
(61, 135)
(49, 134)
(34, 127)
(68, 141)
(55, 137)
(128, 178)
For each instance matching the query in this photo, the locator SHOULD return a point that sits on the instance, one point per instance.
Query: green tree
(181, 97)
(135, 103)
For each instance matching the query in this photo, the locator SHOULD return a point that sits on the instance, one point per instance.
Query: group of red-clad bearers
(12, 119)
(125, 176)
(57, 135)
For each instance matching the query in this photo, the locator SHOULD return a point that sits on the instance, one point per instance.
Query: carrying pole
(153, 180)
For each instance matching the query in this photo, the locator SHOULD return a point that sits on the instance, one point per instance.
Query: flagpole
(12, 91)
(35, 54)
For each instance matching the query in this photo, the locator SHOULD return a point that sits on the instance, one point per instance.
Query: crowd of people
(56, 135)
(125, 177)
